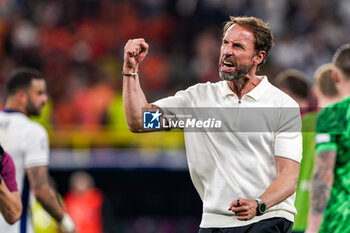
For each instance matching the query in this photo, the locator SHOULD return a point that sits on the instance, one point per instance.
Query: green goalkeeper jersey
(333, 134)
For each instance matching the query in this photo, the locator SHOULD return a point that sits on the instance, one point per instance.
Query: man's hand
(67, 224)
(135, 51)
(245, 209)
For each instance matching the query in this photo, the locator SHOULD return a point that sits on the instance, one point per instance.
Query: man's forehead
(229, 28)
(38, 83)
(241, 30)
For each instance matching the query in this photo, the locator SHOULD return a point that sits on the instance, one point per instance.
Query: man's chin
(34, 113)
(228, 76)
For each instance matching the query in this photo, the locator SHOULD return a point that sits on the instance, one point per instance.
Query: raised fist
(135, 51)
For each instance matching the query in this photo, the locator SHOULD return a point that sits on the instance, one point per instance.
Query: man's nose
(45, 98)
(227, 51)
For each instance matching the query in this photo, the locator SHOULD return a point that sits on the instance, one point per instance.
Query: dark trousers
(272, 225)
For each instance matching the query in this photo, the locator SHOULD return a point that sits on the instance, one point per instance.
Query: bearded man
(27, 143)
(245, 178)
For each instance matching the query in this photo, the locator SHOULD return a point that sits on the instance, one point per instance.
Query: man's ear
(336, 77)
(21, 97)
(259, 57)
(315, 92)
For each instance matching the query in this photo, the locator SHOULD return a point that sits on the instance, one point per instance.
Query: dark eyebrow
(239, 45)
(42, 92)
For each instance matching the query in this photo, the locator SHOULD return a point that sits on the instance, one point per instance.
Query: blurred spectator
(324, 89)
(84, 203)
(204, 64)
(295, 84)
(155, 72)
(91, 100)
(330, 183)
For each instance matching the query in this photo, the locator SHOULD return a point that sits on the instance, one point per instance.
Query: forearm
(134, 102)
(321, 185)
(280, 189)
(10, 204)
(285, 183)
(47, 197)
(320, 191)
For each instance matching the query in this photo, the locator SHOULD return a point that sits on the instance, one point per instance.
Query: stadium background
(79, 46)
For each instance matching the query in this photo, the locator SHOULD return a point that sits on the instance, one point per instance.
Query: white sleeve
(180, 99)
(288, 138)
(36, 146)
(173, 105)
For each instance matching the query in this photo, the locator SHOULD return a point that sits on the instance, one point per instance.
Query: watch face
(262, 207)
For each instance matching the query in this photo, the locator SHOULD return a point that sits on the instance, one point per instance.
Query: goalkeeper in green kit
(330, 189)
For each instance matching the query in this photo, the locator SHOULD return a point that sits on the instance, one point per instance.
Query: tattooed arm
(321, 185)
(46, 196)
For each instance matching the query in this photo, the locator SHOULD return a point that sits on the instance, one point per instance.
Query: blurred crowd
(79, 46)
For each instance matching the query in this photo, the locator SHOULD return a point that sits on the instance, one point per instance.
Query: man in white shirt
(245, 176)
(27, 142)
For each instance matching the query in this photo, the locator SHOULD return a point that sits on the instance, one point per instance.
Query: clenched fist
(135, 51)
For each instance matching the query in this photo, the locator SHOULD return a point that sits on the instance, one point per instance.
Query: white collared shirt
(27, 143)
(235, 163)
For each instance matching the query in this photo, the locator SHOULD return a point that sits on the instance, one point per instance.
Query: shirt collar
(257, 91)
(10, 110)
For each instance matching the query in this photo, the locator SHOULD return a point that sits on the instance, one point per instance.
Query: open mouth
(228, 64)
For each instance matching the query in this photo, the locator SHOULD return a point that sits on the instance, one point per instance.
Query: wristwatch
(260, 210)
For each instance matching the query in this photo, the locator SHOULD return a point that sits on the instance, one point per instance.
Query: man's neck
(13, 106)
(244, 85)
(325, 101)
(345, 90)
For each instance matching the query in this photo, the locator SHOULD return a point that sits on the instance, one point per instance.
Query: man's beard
(31, 109)
(240, 72)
